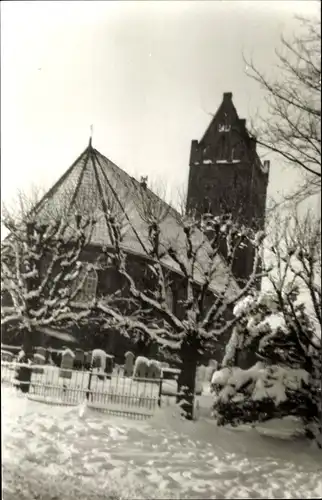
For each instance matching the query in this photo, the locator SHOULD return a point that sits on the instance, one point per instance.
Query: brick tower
(227, 176)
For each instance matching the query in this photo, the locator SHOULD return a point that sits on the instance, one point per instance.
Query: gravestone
(39, 359)
(212, 367)
(99, 363)
(200, 379)
(79, 359)
(141, 367)
(6, 356)
(48, 356)
(129, 364)
(99, 359)
(67, 364)
(21, 356)
(109, 364)
(170, 373)
(87, 360)
(42, 351)
(201, 373)
(56, 357)
(142, 371)
(154, 370)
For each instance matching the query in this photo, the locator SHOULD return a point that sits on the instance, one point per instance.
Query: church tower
(227, 176)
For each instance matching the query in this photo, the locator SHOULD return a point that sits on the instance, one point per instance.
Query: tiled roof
(96, 184)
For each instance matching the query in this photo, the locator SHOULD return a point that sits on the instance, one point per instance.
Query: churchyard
(135, 389)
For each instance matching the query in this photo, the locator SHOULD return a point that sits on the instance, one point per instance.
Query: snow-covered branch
(41, 270)
(193, 255)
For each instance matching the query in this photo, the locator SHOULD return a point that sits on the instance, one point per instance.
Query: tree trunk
(24, 372)
(187, 378)
(313, 420)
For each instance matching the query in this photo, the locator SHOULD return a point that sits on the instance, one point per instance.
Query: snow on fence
(110, 393)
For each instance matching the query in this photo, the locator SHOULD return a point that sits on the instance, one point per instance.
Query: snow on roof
(96, 184)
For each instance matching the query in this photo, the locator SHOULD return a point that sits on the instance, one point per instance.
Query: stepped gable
(95, 184)
(226, 139)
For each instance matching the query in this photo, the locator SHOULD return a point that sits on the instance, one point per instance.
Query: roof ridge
(137, 183)
(59, 181)
(117, 198)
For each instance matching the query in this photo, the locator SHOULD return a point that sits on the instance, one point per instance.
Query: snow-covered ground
(55, 452)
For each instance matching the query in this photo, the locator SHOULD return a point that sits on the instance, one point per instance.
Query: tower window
(224, 128)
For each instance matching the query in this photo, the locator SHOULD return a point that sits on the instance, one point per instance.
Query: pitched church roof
(95, 184)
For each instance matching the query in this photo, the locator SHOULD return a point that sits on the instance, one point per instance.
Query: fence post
(89, 382)
(160, 392)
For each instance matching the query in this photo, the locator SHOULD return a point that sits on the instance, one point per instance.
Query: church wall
(224, 186)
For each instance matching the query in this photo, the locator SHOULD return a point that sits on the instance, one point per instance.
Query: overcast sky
(147, 75)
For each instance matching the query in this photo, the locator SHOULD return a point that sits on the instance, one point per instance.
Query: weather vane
(91, 134)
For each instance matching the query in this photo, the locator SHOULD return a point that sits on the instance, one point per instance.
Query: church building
(225, 176)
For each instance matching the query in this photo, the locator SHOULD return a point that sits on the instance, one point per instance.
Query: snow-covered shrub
(280, 332)
(259, 393)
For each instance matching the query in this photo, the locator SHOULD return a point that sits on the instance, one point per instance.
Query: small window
(169, 297)
(89, 288)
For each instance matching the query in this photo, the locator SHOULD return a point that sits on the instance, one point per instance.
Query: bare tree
(41, 268)
(295, 257)
(292, 127)
(189, 247)
(283, 323)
